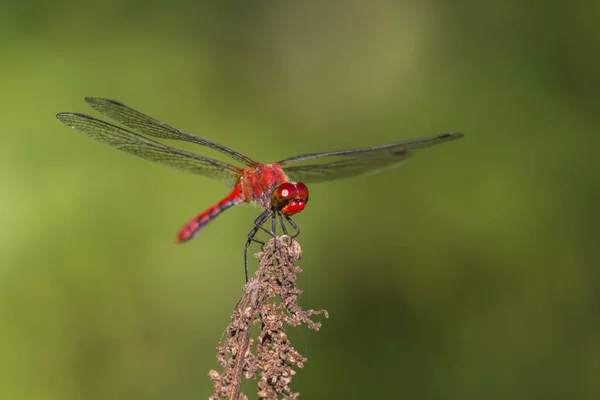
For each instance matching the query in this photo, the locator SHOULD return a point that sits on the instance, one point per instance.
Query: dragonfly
(277, 188)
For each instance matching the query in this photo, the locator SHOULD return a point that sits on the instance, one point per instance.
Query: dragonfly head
(290, 198)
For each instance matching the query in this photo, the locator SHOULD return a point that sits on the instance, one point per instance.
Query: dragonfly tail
(196, 224)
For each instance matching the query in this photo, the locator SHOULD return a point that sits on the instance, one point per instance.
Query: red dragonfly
(277, 187)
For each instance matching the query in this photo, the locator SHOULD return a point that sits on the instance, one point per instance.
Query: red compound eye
(284, 193)
(298, 203)
(293, 207)
(302, 191)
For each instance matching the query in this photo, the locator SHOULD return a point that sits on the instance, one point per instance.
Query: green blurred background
(471, 272)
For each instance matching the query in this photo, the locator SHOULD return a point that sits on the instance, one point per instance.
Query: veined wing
(130, 142)
(147, 125)
(347, 163)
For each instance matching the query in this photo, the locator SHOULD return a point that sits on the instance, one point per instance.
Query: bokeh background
(471, 272)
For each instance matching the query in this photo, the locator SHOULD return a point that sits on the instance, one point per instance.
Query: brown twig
(273, 355)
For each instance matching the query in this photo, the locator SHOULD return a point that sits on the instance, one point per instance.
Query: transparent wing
(147, 125)
(132, 143)
(347, 163)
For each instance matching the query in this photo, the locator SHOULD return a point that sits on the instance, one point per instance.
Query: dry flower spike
(270, 300)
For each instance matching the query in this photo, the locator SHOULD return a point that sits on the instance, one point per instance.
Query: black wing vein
(133, 143)
(353, 162)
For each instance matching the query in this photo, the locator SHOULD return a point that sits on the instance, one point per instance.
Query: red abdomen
(195, 225)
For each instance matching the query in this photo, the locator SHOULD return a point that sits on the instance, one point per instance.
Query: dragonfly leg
(272, 232)
(283, 227)
(274, 228)
(258, 224)
(293, 224)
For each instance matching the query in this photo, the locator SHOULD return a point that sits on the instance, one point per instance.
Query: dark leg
(274, 229)
(258, 224)
(270, 232)
(283, 227)
(274, 225)
(293, 224)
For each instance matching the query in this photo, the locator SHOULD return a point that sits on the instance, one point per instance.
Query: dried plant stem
(244, 346)
(273, 356)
